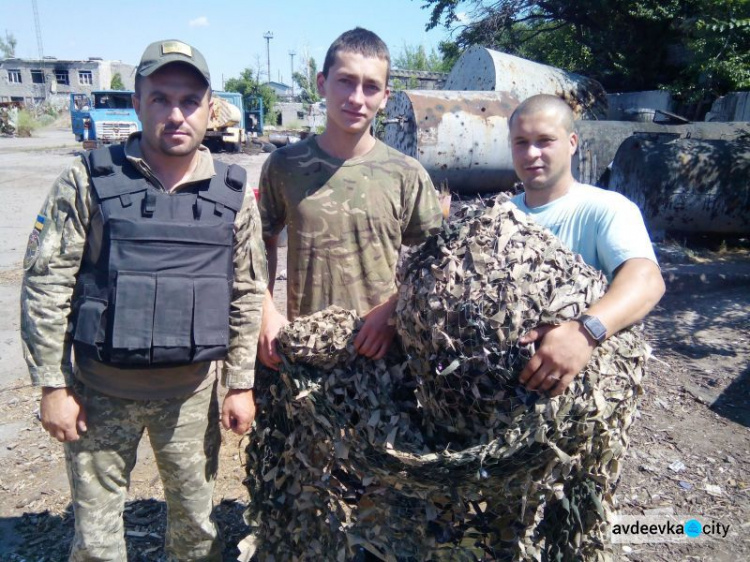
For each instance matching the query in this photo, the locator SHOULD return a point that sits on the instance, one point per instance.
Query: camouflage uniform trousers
(185, 437)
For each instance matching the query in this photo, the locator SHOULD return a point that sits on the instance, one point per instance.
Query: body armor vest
(158, 291)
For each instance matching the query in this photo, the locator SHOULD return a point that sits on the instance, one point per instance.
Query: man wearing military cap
(146, 266)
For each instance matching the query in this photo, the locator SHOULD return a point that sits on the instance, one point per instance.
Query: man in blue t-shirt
(604, 227)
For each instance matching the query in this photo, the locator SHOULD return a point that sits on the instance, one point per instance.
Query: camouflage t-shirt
(347, 220)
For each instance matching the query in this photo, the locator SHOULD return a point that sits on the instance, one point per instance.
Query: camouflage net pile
(439, 453)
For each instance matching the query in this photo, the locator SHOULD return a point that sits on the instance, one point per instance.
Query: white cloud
(199, 22)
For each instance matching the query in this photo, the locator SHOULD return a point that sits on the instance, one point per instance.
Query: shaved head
(545, 103)
(542, 144)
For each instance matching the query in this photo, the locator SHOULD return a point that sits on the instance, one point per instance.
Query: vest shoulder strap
(227, 187)
(111, 173)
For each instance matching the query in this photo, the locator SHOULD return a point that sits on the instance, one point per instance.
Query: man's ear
(136, 104)
(573, 143)
(385, 98)
(320, 79)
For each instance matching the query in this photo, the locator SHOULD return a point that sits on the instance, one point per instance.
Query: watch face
(594, 327)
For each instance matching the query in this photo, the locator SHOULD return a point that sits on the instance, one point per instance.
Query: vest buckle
(149, 204)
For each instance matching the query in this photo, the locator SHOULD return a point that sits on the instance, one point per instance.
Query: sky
(229, 33)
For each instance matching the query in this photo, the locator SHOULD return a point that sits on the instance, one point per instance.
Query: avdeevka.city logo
(694, 528)
(665, 527)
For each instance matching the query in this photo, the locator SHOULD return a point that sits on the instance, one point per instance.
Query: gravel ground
(690, 450)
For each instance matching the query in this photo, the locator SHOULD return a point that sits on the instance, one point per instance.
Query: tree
(249, 85)
(720, 60)
(696, 48)
(450, 52)
(416, 58)
(8, 45)
(307, 82)
(116, 82)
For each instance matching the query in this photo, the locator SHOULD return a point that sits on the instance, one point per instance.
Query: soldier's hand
(377, 333)
(271, 323)
(62, 414)
(562, 352)
(238, 410)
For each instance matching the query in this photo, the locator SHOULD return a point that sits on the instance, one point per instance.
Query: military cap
(161, 53)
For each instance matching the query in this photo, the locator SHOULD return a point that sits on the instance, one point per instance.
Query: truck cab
(226, 123)
(103, 117)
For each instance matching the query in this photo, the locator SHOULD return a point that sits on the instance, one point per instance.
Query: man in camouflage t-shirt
(349, 202)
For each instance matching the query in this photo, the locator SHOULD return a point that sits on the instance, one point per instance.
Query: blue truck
(103, 117)
(108, 116)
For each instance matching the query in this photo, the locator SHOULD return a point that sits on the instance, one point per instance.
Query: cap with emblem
(161, 53)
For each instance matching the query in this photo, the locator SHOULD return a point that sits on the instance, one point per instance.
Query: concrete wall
(54, 90)
(417, 79)
(297, 115)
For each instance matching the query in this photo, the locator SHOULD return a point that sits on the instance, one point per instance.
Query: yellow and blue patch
(35, 242)
(39, 224)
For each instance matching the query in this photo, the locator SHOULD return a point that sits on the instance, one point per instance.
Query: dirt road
(690, 450)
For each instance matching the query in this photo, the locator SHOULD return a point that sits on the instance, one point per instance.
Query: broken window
(62, 77)
(85, 77)
(14, 76)
(37, 76)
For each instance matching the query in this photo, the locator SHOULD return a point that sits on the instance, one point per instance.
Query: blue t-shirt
(604, 227)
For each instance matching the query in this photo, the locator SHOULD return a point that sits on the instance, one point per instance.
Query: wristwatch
(594, 327)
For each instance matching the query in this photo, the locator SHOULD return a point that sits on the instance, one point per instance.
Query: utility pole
(268, 35)
(39, 45)
(291, 55)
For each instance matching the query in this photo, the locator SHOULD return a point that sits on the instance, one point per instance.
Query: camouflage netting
(439, 453)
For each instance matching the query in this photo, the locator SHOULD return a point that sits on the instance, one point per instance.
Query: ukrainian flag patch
(35, 242)
(39, 224)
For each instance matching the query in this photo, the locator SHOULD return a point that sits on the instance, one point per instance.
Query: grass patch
(26, 124)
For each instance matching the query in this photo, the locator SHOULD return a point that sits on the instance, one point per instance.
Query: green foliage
(307, 82)
(46, 119)
(8, 45)
(26, 123)
(411, 84)
(271, 119)
(719, 44)
(116, 82)
(698, 49)
(450, 51)
(416, 58)
(249, 85)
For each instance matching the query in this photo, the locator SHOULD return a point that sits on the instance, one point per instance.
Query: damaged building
(33, 81)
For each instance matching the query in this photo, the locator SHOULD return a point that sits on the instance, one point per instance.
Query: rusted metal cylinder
(482, 69)
(686, 184)
(598, 141)
(462, 137)
(459, 137)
